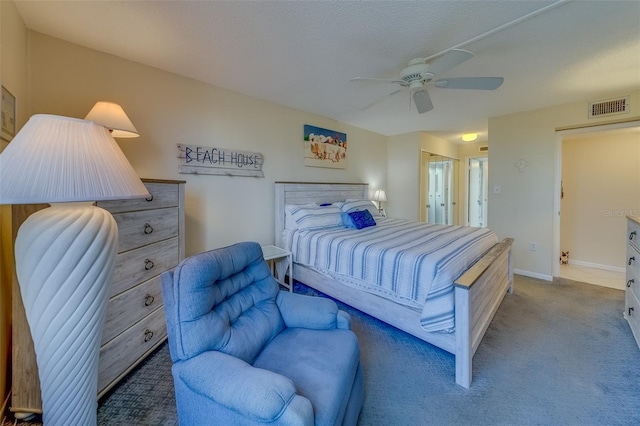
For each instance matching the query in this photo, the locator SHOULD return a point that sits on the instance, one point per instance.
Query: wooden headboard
(288, 193)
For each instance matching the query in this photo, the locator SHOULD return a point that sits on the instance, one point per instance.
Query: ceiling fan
(422, 73)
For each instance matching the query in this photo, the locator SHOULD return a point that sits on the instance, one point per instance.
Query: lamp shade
(55, 159)
(113, 117)
(380, 195)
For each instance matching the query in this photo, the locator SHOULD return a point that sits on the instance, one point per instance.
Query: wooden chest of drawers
(632, 288)
(151, 241)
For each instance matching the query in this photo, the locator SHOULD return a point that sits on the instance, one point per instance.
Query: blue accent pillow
(362, 219)
(346, 221)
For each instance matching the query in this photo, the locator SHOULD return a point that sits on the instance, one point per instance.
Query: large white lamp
(65, 253)
(379, 196)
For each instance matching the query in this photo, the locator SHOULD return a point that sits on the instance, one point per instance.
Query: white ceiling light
(469, 137)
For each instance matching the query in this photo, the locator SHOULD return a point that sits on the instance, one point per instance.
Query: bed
(476, 292)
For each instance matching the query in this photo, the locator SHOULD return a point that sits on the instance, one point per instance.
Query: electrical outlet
(533, 246)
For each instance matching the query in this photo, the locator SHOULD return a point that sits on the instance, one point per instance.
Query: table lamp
(65, 253)
(379, 196)
(113, 117)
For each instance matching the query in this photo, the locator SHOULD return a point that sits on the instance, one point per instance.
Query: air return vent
(609, 107)
(484, 148)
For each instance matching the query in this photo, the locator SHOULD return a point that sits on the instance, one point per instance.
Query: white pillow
(289, 221)
(309, 218)
(353, 205)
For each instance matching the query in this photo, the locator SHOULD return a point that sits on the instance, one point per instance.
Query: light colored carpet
(555, 354)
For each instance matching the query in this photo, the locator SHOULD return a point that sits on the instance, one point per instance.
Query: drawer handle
(148, 335)
(631, 235)
(631, 259)
(631, 281)
(148, 300)
(149, 198)
(148, 264)
(630, 311)
(148, 228)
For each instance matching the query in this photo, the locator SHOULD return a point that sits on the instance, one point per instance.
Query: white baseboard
(533, 274)
(597, 266)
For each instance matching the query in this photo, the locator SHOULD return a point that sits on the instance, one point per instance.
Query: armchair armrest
(344, 320)
(299, 310)
(258, 394)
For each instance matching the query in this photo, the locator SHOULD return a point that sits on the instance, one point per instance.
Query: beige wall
(13, 76)
(601, 181)
(403, 174)
(525, 207)
(168, 109)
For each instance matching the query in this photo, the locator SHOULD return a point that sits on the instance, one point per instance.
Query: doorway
(597, 182)
(477, 191)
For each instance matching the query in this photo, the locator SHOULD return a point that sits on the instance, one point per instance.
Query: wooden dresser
(632, 289)
(151, 241)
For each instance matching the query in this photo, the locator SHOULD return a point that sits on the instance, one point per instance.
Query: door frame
(466, 189)
(557, 182)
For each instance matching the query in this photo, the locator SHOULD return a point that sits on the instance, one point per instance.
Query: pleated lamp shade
(55, 159)
(380, 195)
(113, 117)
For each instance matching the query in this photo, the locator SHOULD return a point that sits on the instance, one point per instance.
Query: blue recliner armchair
(244, 352)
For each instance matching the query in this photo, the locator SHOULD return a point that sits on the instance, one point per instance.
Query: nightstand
(281, 261)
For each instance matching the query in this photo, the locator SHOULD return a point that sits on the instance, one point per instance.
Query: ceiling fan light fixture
(469, 137)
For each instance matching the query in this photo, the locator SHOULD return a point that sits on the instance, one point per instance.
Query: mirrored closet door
(441, 185)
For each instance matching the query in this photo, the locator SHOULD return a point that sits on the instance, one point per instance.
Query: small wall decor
(8, 115)
(521, 165)
(324, 148)
(219, 161)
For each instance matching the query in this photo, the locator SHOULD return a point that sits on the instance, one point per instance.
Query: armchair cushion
(237, 316)
(322, 364)
(235, 382)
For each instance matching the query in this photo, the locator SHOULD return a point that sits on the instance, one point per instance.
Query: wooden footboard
(478, 294)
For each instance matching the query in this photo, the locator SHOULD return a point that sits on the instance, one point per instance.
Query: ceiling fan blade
(423, 101)
(384, 80)
(449, 60)
(474, 83)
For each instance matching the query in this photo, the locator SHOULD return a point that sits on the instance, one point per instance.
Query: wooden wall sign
(219, 161)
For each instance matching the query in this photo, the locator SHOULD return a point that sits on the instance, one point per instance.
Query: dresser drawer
(633, 284)
(632, 261)
(131, 306)
(144, 263)
(632, 314)
(136, 229)
(633, 234)
(161, 196)
(122, 353)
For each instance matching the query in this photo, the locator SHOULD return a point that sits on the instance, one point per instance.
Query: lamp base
(64, 263)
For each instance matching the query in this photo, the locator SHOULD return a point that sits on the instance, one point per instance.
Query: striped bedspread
(412, 263)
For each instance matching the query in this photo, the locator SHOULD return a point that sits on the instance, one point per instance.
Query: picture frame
(324, 148)
(8, 130)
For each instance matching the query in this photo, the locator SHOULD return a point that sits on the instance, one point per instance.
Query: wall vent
(484, 148)
(609, 107)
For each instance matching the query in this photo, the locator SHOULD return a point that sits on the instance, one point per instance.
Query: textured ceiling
(302, 54)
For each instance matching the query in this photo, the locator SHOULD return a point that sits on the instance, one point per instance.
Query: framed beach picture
(8, 115)
(324, 148)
